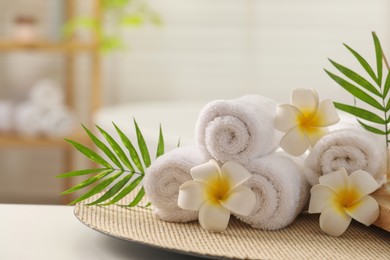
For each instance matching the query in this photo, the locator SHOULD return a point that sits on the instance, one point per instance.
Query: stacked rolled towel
(28, 119)
(44, 113)
(164, 178)
(352, 148)
(239, 129)
(281, 192)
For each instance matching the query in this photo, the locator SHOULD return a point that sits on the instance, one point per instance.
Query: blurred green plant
(373, 91)
(124, 173)
(123, 13)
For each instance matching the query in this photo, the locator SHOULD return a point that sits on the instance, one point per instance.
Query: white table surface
(53, 232)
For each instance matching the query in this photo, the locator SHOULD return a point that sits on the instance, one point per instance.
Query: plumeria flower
(304, 120)
(215, 192)
(340, 198)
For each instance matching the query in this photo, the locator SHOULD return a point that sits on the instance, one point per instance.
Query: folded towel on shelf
(28, 119)
(239, 129)
(46, 94)
(58, 121)
(281, 192)
(6, 115)
(163, 179)
(352, 148)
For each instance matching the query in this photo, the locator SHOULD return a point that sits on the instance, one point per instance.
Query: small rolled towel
(352, 148)
(6, 115)
(28, 119)
(163, 179)
(58, 121)
(46, 94)
(281, 192)
(238, 129)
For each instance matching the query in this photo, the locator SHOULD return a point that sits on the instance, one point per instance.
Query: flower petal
(213, 217)
(334, 221)
(234, 173)
(320, 198)
(314, 134)
(363, 182)
(191, 195)
(326, 114)
(286, 117)
(206, 171)
(336, 180)
(365, 211)
(294, 142)
(306, 100)
(240, 201)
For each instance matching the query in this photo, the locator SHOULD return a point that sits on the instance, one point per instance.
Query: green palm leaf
(360, 112)
(363, 62)
(89, 181)
(356, 78)
(378, 53)
(104, 148)
(371, 128)
(387, 86)
(160, 146)
(117, 149)
(98, 188)
(80, 173)
(142, 146)
(133, 152)
(138, 198)
(114, 190)
(125, 191)
(106, 179)
(355, 91)
(89, 153)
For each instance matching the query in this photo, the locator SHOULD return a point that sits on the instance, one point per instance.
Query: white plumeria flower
(304, 120)
(215, 192)
(340, 198)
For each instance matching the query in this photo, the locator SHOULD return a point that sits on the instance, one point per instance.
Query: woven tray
(301, 240)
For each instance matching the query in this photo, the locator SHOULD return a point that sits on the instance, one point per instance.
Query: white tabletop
(53, 232)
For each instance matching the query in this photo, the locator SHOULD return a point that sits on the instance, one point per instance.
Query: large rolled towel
(281, 192)
(58, 121)
(163, 179)
(239, 129)
(28, 119)
(352, 148)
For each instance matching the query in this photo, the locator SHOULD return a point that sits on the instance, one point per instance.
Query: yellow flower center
(347, 198)
(218, 189)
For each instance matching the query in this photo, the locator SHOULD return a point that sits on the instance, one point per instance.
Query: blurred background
(67, 62)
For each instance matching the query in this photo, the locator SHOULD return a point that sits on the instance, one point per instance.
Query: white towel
(239, 129)
(28, 119)
(6, 115)
(163, 179)
(352, 148)
(58, 121)
(46, 94)
(281, 192)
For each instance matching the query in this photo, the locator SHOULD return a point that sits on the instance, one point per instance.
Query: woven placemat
(301, 240)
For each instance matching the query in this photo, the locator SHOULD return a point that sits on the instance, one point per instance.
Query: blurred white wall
(212, 49)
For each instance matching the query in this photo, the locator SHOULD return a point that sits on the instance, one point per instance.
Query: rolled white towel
(6, 115)
(239, 129)
(163, 179)
(58, 121)
(28, 119)
(46, 94)
(281, 192)
(351, 148)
